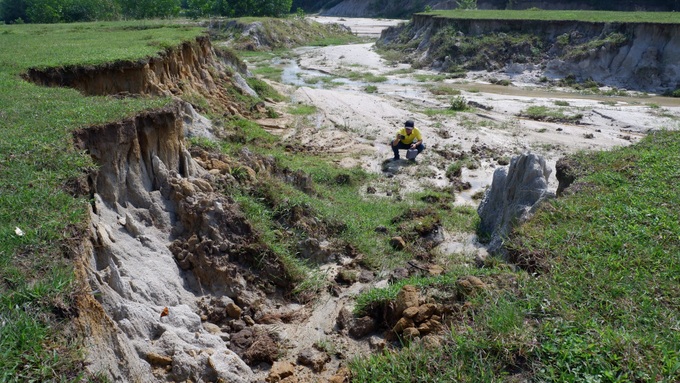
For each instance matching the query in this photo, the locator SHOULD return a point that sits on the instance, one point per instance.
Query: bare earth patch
(359, 125)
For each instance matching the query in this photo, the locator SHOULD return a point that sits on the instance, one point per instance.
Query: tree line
(409, 6)
(59, 11)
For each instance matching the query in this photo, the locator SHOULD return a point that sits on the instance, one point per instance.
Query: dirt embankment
(170, 258)
(156, 262)
(405, 8)
(635, 56)
(194, 68)
(270, 34)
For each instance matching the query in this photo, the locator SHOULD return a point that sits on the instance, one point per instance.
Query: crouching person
(407, 138)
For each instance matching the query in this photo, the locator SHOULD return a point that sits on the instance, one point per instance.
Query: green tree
(275, 8)
(144, 9)
(56, 11)
(90, 10)
(13, 10)
(467, 4)
(242, 8)
(221, 7)
(44, 11)
(199, 8)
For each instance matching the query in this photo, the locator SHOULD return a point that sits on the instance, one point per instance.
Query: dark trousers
(400, 145)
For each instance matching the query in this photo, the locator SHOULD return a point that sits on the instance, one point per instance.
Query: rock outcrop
(514, 194)
(150, 327)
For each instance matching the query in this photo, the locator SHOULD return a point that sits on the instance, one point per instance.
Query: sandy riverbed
(358, 125)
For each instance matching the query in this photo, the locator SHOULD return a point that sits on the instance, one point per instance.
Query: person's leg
(395, 149)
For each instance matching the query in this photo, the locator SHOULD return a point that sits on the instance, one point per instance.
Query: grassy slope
(36, 161)
(610, 304)
(586, 16)
(604, 303)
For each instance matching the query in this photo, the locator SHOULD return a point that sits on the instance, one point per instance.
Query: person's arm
(417, 140)
(396, 140)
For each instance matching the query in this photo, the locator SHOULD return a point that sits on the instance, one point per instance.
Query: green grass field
(584, 16)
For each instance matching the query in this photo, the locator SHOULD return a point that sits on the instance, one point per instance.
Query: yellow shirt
(409, 138)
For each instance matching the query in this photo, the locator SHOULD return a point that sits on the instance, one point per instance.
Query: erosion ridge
(636, 56)
(194, 67)
(148, 192)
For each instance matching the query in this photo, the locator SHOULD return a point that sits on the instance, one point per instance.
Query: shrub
(371, 89)
(459, 103)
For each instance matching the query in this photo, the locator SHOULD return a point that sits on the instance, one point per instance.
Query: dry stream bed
(355, 117)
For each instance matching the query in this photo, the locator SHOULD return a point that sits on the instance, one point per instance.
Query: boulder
(342, 375)
(314, 359)
(233, 311)
(281, 372)
(229, 367)
(360, 327)
(513, 196)
(406, 297)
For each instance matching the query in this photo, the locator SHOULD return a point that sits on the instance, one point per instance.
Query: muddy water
(535, 92)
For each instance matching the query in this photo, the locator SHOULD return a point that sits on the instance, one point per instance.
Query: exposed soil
(171, 255)
(355, 127)
(360, 125)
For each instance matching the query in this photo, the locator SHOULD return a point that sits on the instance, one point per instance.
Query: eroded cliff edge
(635, 56)
(139, 313)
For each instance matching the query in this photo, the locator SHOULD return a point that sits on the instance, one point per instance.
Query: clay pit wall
(649, 60)
(192, 67)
